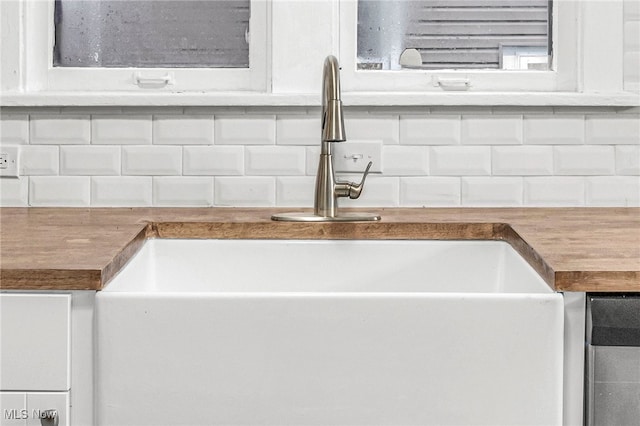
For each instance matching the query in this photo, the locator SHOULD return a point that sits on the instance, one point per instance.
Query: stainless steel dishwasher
(612, 382)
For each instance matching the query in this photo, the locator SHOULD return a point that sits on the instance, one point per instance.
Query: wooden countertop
(574, 249)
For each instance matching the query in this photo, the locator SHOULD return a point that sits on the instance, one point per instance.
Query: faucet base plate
(310, 217)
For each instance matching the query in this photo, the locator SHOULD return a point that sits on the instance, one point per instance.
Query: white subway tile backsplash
(151, 160)
(39, 160)
(522, 160)
(275, 160)
(491, 191)
(429, 191)
(182, 191)
(14, 129)
(295, 191)
(14, 192)
(584, 160)
(611, 191)
(430, 130)
(439, 156)
(460, 160)
(554, 130)
(60, 129)
(245, 130)
(244, 191)
(628, 160)
(213, 160)
(298, 130)
(405, 160)
(90, 160)
(121, 129)
(378, 192)
(62, 191)
(183, 129)
(554, 191)
(613, 130)
(492, 130)
(121, 191)
(385, 129)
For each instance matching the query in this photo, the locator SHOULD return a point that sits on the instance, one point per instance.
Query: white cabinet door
(34, 342)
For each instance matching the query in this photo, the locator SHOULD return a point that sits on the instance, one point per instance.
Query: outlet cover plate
(353, 157)
(9, 160)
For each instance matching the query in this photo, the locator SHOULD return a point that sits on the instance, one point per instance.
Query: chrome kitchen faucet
(328, 189)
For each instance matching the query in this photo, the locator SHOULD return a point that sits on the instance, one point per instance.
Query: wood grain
(573, 249)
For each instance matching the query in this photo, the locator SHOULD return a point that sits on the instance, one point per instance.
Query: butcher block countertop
(573, 249)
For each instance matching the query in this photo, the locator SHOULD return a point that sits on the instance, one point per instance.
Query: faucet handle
(355, 189)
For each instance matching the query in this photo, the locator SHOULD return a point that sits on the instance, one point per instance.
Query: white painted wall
(267, 156)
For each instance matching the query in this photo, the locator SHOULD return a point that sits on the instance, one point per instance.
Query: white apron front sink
(281, 332)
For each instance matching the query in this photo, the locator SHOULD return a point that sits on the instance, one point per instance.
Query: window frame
(290, 74)
(41, 75)
(561, 77)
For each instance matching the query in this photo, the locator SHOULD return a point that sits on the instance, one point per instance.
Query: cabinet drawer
(34, 333)
(27, 408)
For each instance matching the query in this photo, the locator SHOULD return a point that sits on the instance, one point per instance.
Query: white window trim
(293, 62)
(41, 75)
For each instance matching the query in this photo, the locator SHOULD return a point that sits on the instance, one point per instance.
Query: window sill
(239, 99)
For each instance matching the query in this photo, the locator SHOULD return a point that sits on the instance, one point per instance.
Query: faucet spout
(332, 117)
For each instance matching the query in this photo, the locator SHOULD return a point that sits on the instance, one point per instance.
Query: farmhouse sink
(282, 332)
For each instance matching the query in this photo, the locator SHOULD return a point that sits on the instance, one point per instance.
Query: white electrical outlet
(9, 160)
(353, 157)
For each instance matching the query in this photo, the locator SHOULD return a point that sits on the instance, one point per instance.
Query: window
(166, 45)
(152, 34)
(453, 34)
(476, 45)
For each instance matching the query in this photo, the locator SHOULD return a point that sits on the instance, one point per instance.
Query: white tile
(491, 191)
(213, 160)
(121, 191)
(63, 191)
(14, 192)
(429, 191)
(385, 129)
(313, 160)
(182, 191)
(491, 130)
(377, 192)
(632, 35)
(121, 129)
(613, 130)
(554, 191)
(522, 160)
(275, 160)
(628, 159)
(90, 160)
(584, 160)
(183, 130)
(554, 130)
(460, 160)
(244, 191)
(245, 130)
(298, 130)
(295, 191)
(14, 129)
(405, 160)
(151, 160)
(60, 129)
(39, 160)
(430, 130)
(613, 191)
